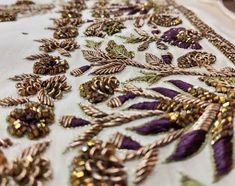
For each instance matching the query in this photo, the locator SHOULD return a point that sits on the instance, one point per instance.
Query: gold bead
(78, 174)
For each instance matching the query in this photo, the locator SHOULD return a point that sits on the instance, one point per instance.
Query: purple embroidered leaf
(223, 156)
(167, 58)
(120, 100)
(145, 105)
(189, 144)
(72, 121)
(183, 38)
(165, 91)
(129, 144)
(181, 84)
(81, 70)
(156, 126)
(124, 142)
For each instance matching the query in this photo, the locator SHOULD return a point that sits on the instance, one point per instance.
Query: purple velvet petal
(170, 36)
(85, 68)
(126, 97)
(223, 156)
(133, 11)
(78, 122)
(156, 126)
(167, 58)
(145, 105)
(129, 144)
(156, 31)
(181, 84)
(189, 144)
(196, 46)
(166, 92)
(183, 45)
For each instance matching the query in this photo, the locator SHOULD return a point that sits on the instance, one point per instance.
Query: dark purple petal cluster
(170, 36)
(147, 105)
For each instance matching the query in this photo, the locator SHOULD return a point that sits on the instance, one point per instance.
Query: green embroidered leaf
(131, 39)
(118, 51)
(149, 77)
(143, 36)
(188, 181)
(93, 44)
(113, 27)
(94, 56)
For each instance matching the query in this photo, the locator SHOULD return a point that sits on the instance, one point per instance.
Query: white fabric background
(14, 46)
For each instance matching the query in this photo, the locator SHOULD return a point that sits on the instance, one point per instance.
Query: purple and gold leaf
(156, 126)
(189, 144)
(147, 105)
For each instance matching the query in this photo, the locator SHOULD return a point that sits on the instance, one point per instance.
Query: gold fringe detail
(33, 150)
(76, 72)
(45, 99)
(23, 76)
(65, 121)
(5, 143)
(146, 165)
(86, 136)
(37, 56)
(92, 111)
(9, 101)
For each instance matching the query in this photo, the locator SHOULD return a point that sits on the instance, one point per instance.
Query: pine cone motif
(63, 22)
(32, 120)
(66, 32)
(164, 20)
(99, 88)
(195, 58)
(56, 86)
(50, 66)
(98, 165)
(31, 171)
(28, 86)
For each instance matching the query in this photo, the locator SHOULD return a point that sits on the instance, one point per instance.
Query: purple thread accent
(170, 36)
(196, 46)
(29, 117)
(129, 144)
(145, 105)
(85, 68)
(223, 155)
(133, 11)
(165, 91)
(189, 144)
(145, 11)
(156, 126)
(181, 84)
(78, 122)
(126, 97)
(156, 31)
(167, 58)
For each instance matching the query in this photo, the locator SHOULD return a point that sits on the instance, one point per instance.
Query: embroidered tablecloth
(17, 42)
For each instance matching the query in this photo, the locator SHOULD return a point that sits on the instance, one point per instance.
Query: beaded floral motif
(32, 120)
